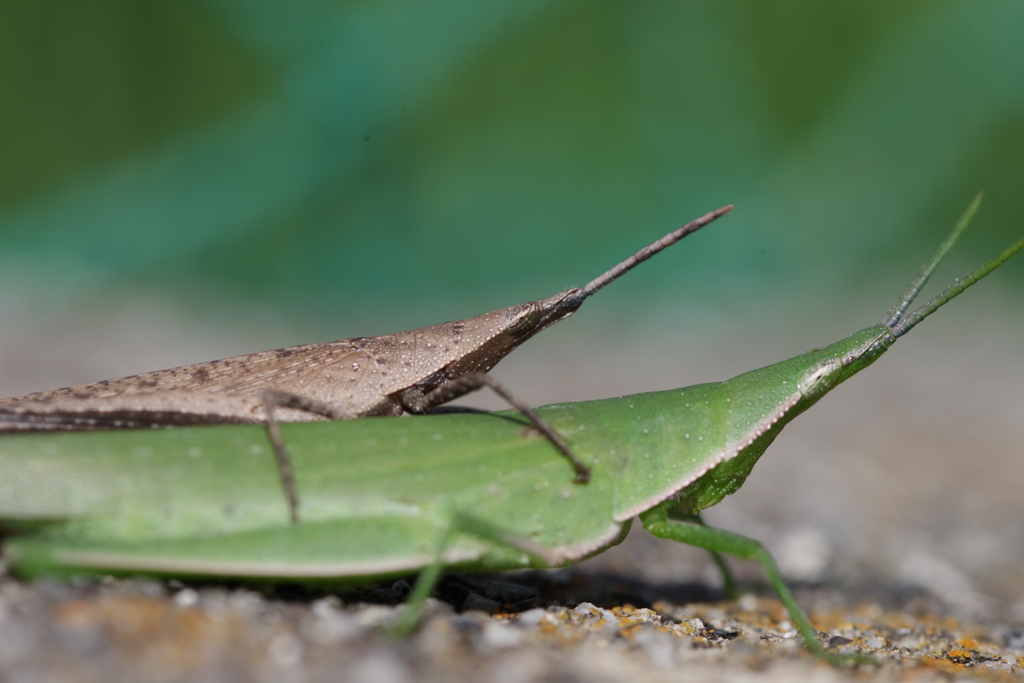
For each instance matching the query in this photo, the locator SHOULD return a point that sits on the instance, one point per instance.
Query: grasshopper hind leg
(416, 401)
(729, 584)
(694, 532)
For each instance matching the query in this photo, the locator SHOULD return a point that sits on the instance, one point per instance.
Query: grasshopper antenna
(895, 319)
(955, 290)
(574, 300)
(895, 314)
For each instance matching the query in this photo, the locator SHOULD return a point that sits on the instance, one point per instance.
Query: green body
(380, 493)
(390, 496)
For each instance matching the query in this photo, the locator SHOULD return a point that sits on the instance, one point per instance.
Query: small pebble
(500, 635)
(875, 642)
(534, 617)
(186, 597)
(1004, 664)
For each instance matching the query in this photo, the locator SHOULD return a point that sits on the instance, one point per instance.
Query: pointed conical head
(488, 338)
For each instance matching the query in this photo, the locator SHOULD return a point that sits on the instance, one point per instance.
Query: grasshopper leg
(461, 523)
(693, 532)
(281, 399)
(728, 582)
(415, 401)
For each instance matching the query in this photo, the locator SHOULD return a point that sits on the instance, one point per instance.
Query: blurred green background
(182, 180)
(331, 156)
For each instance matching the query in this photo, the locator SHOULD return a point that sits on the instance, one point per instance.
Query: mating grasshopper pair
(414, 372)
(459, 492)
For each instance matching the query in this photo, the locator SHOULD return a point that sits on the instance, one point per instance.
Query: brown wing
(330, 371)
(358, 377)
(135, 411)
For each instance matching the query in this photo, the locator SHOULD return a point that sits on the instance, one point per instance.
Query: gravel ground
(149, 631)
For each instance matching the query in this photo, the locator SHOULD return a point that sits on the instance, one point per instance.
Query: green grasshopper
(389, 497)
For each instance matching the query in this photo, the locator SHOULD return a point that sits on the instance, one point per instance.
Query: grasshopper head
(838, 362)
(525, 320)
(488, 338)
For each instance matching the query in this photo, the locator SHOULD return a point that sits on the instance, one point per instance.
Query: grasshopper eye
(523, 318)
(820, 377)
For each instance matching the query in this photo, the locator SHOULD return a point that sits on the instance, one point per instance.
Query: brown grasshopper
(414, 371)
